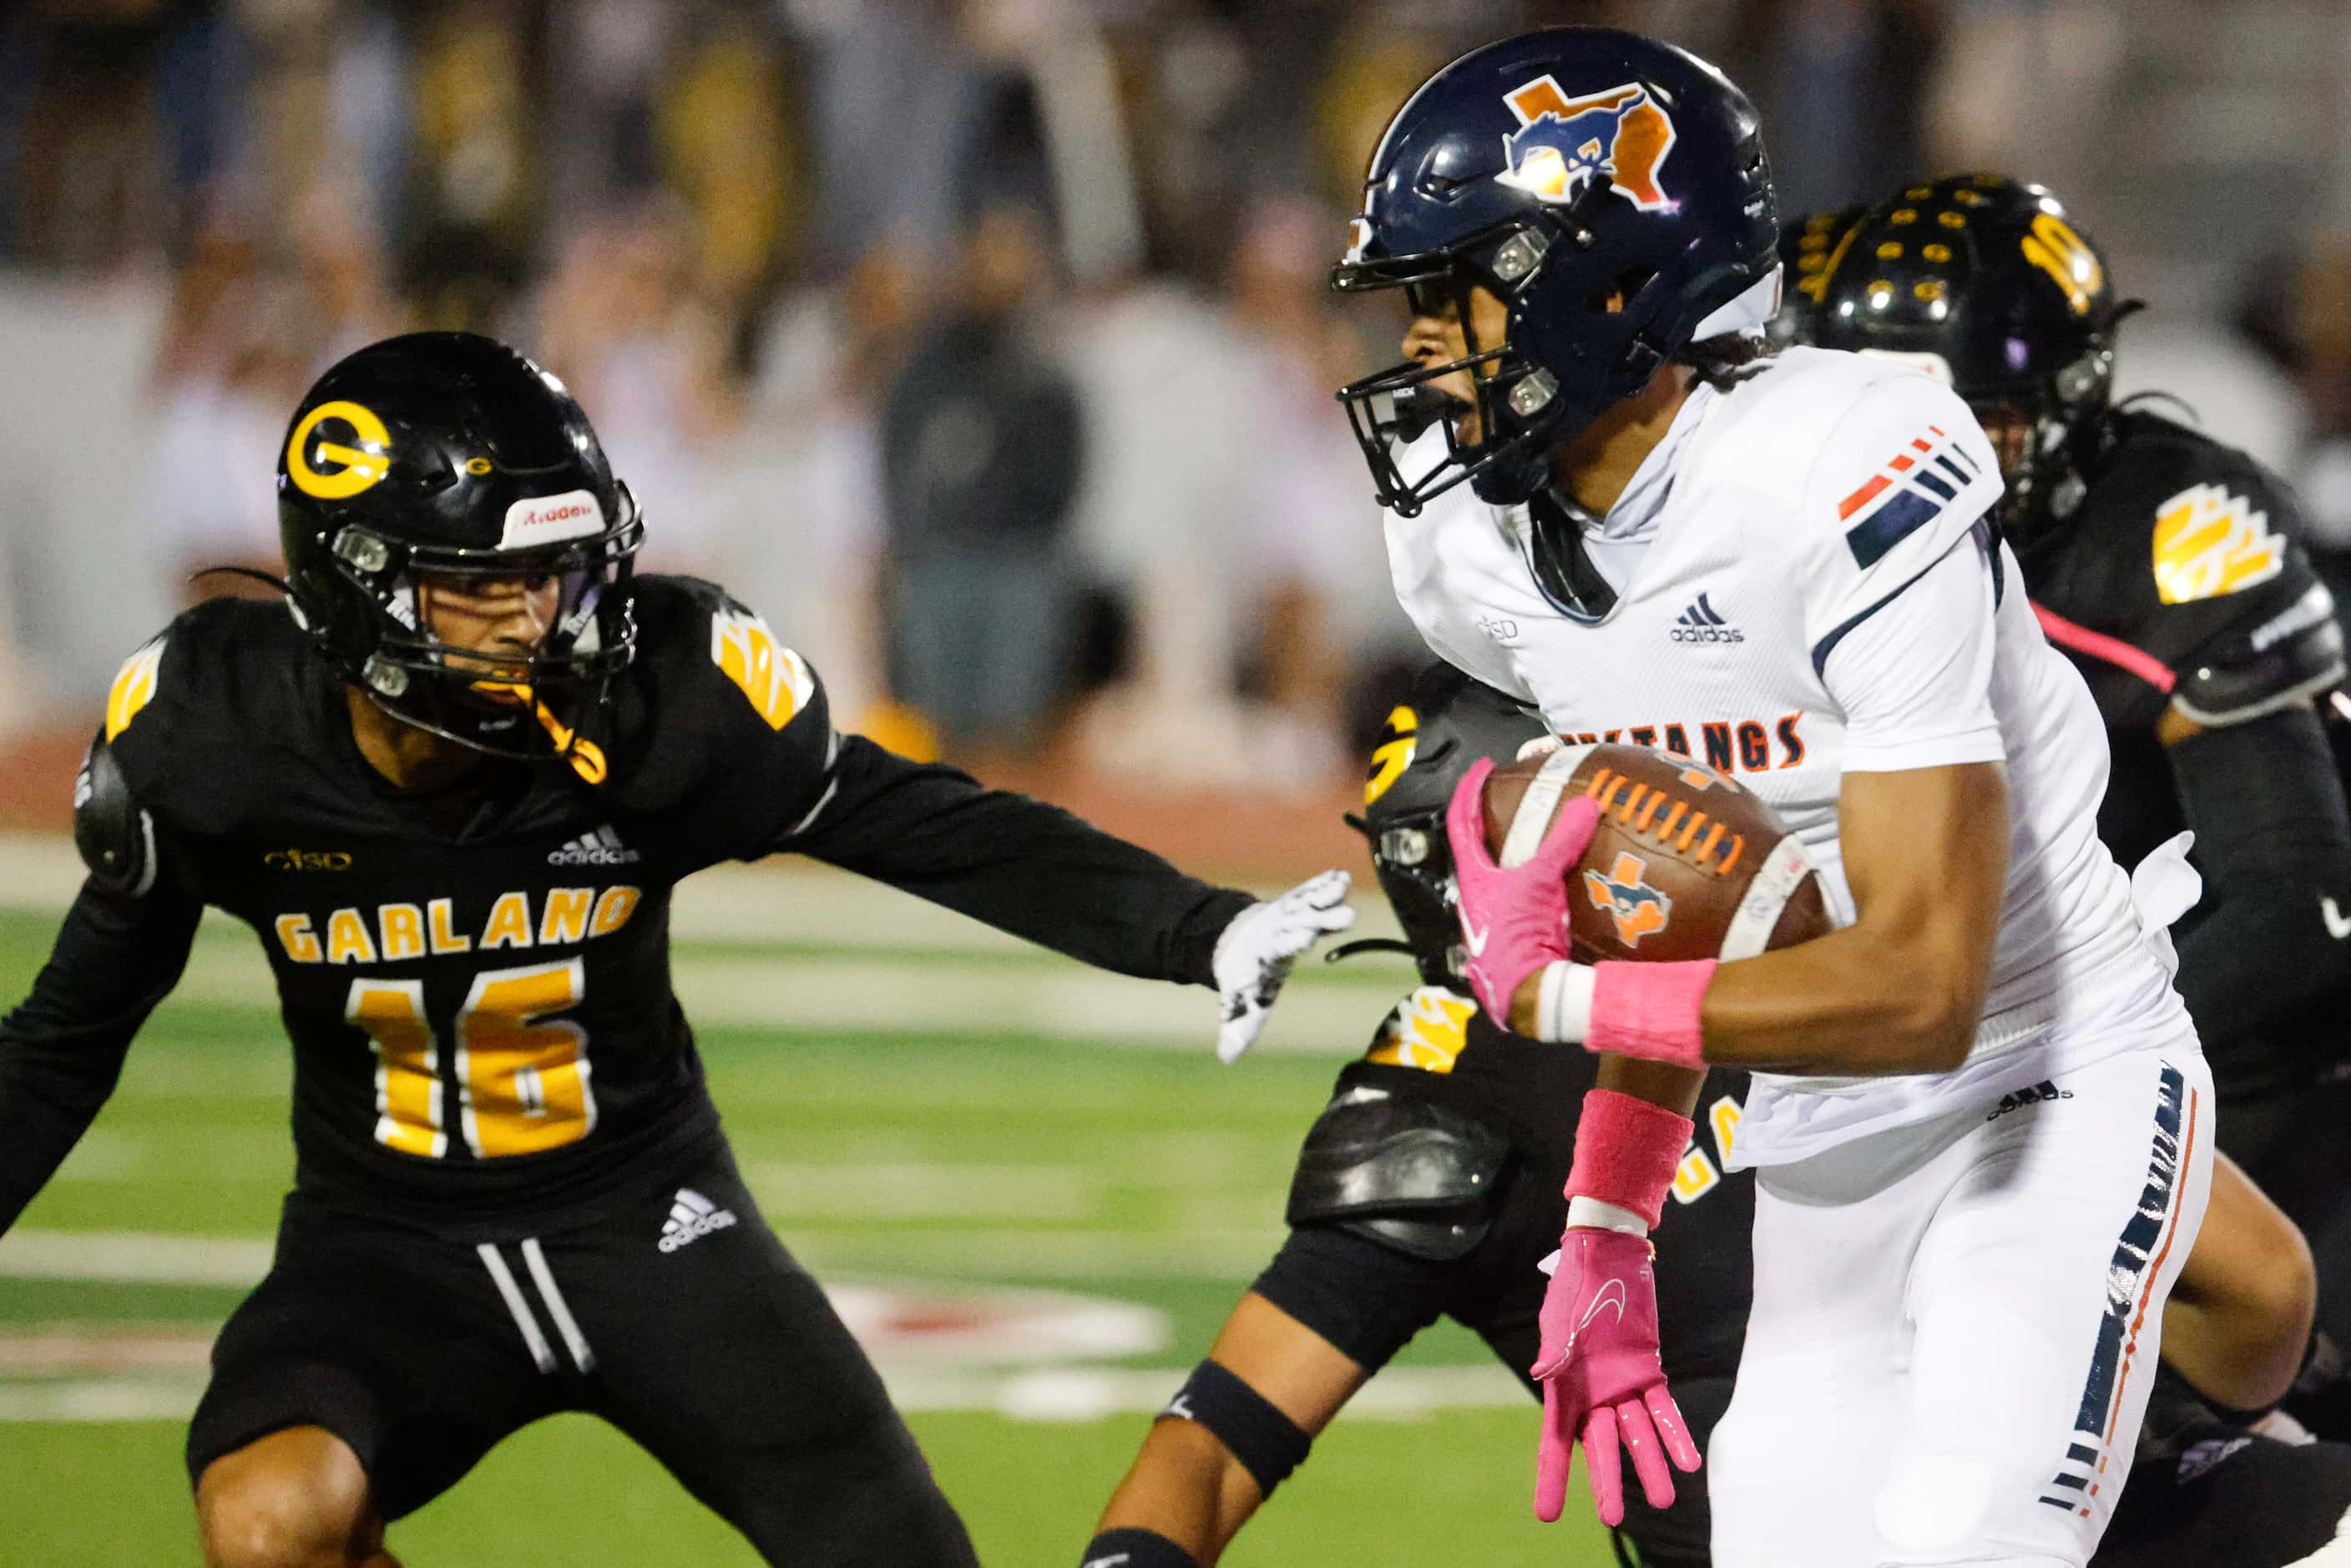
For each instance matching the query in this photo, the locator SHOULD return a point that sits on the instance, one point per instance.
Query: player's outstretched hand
(1257, 950)
(1601, 1376)
(1514, 922)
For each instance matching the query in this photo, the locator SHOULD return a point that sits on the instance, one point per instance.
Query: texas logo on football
(1622, 135)
(1638, 909)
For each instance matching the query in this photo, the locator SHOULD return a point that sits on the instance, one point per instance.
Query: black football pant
(677, 1316)
(1369, 1300)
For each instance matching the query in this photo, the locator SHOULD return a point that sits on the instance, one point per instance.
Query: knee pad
(1128, 1548)
(1268, 1443)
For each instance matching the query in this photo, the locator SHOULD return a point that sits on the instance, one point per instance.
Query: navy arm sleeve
(1017, 864)
(2273, 841)
(61, 1049)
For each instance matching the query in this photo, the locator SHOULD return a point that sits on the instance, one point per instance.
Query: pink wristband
(1650, 1011)
(1626, 1152)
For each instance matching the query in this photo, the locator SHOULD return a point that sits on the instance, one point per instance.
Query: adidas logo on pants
(691, 1217)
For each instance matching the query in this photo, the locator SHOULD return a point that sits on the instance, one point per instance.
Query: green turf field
(1105, 1204)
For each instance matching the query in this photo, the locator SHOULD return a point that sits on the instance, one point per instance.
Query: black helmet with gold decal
(443, 455)
(1446, 723)
(1986, 283)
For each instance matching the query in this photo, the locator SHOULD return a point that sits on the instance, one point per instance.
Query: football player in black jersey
(451, 793)
(2164, 564)
(1431, 1187)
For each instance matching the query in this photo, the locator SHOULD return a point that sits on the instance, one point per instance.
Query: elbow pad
(113, 832)
(2260, 668)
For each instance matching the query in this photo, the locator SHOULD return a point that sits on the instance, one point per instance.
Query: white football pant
(1957, 1323)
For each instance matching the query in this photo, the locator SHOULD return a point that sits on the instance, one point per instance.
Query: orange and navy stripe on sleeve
(1905, 495)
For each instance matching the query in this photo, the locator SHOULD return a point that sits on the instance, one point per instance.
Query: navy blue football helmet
(1611, 190)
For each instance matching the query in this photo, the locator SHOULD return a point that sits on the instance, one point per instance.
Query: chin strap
(587, 759)
(1370, 945)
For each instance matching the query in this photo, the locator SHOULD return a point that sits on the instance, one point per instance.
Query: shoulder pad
(202, 719)
(714, 693)
(2252, 669)
(114, 836)
(2185, 553)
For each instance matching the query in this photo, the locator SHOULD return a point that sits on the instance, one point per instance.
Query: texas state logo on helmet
(1611, 190)
(1621, 136)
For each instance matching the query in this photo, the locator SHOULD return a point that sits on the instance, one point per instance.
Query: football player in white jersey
(1980, 1117)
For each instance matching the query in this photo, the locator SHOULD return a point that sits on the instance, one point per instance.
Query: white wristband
(1563, 1005)
(1599, 1214)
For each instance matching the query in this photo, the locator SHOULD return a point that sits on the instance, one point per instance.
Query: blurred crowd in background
(984, 345)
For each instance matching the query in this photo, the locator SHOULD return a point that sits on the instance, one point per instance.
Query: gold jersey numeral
(522, 1083)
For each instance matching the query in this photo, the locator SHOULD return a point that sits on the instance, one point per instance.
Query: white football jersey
(1812, 594)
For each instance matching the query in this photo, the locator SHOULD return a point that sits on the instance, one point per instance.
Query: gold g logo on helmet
(338, 450)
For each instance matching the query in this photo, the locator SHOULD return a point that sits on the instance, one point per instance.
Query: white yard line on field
(130, 1257)
(782, 901)
(1045, 1395)
(945, 1252)
(799, 1192)
(848, 993)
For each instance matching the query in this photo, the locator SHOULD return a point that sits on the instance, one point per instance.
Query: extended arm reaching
(62, 1048)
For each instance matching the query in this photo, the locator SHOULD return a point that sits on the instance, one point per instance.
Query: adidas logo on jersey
(1702, 623)
(692, 1216)
(602, 847)
(2033, 1095)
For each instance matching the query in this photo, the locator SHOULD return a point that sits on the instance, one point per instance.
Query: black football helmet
(1611, 190)
(1446, 723)
(1807, 244)
(1985, 282)
(445, 455)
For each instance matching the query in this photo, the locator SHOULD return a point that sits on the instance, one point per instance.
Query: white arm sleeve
(1914, 677)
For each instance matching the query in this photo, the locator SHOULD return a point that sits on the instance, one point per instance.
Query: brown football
(1686, 863)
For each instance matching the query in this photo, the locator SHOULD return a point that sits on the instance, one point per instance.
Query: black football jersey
(2179, 580)
(478, 988)
(2179, 584)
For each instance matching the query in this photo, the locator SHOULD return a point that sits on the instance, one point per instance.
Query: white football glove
(1256, 951)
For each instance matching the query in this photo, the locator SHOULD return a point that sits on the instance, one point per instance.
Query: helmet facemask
(537, 706)
(2034, 433)
(1414, 862)
(1517, 412)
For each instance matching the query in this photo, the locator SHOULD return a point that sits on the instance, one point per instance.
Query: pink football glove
(1601, 1374)
(1514, 922)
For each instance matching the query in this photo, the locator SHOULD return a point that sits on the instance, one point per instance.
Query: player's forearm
(2273, 933)
(1668, 1087)
(1863, 1001)
(1902, 989)
(2259, 955)
(45, 1108)
(1018, 864)
(61, 1049)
